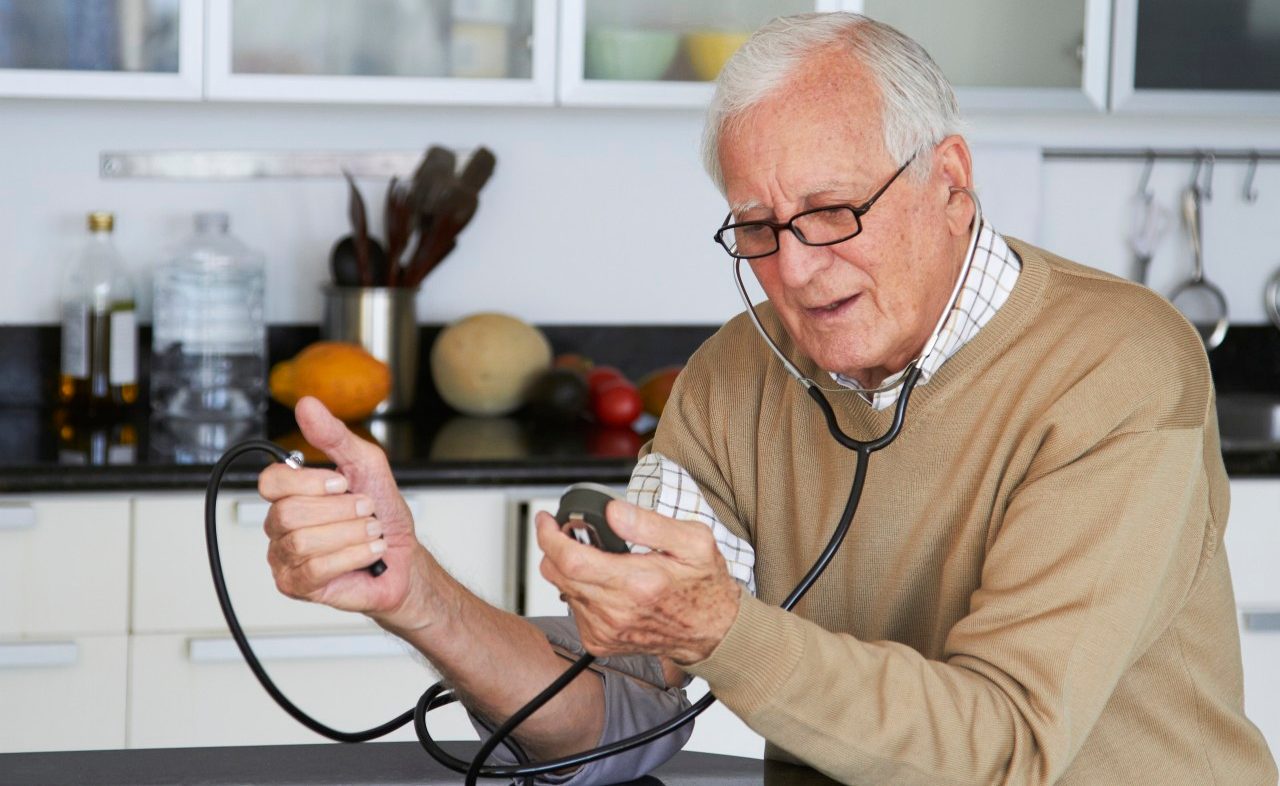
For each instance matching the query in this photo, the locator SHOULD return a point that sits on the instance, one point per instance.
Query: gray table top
(383, 764)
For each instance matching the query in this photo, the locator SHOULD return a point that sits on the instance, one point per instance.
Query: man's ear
(953, 169)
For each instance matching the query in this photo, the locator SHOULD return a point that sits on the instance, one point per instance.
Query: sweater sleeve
(1090, 562)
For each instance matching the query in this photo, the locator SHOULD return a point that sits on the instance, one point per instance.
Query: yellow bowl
(710, 49)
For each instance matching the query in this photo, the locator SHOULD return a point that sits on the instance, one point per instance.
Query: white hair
(918, 106)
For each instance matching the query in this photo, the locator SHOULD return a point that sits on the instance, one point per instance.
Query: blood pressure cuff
(635, 699)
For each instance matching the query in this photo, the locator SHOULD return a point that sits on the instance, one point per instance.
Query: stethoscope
(438, 695)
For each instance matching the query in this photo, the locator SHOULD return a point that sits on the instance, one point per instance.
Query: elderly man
(1034, 589)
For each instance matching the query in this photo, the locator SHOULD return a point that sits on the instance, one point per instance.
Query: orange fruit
(348, 380)
(655, 389)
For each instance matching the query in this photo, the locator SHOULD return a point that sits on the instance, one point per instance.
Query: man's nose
(797, 262)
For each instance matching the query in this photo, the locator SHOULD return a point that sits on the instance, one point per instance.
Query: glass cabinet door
(1011, 54)
(398, 51)
(657, 53)
(1197, 56)
(100, 48)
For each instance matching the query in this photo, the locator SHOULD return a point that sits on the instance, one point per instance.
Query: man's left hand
(677, 601)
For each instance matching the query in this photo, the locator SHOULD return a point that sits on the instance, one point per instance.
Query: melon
(485, 364)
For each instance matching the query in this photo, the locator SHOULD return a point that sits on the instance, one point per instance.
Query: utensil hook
(1250, 190)
(1144, 183)
(1195, 171)
(1207, 191)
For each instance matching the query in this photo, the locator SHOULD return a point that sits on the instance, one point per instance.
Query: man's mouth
(832, 309)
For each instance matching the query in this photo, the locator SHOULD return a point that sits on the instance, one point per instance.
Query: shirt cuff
(756, 657)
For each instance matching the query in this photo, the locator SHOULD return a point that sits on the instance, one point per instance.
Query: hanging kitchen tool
(1148, 224)
(1271, 298)
(1200, 301)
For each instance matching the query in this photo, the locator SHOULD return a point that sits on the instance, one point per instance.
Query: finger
(575, 560)
(324, 568)
(330, 435)
(298, 546)
(293, 513)
(280, 480)
(681, 539)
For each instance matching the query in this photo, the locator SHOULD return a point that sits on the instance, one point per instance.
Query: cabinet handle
(251, 512)
(1262, 621)
(26, 655)
(305, 647)
(20, 516)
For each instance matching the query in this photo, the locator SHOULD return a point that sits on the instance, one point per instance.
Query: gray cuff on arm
(635, 699)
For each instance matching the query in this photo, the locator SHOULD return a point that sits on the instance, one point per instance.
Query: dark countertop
(383, 763)
(42, 452)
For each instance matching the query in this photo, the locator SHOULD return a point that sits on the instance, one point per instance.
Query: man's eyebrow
(826, 187)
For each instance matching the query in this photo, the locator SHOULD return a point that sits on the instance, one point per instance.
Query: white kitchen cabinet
(382, 51)
(1011, 54)
(1185, 56)
(656, 54)
(189, 684)
(1253, 546)
(133, 49)
(64, 565)
(63, 693)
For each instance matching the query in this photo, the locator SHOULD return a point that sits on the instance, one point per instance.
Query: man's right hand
(322, 537)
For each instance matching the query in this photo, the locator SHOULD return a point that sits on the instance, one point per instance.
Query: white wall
(591, 215)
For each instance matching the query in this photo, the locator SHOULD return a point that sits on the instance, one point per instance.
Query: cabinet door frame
(1126, 98)
(1090, 95)
(185, 85)
(575, 89)
(221, 84)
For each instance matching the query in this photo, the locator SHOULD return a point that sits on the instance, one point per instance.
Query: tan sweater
(1033, 590)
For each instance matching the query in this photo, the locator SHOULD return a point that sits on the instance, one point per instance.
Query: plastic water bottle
(209, 341)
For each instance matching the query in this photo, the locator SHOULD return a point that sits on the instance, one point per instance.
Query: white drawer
(63, 694)
(1260, 652)
(173, 589)
(64, 565)
(187, 691)
(1253, 542)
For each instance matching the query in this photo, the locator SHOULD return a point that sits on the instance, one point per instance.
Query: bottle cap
(101, 221)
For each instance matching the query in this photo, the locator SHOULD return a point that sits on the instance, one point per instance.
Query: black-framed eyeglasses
(820, 226)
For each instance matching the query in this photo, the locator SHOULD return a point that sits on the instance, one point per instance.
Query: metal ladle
(1200, 301)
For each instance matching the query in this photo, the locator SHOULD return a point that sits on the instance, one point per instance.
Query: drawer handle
(20, 516)
(1262, 621)
(27, 655)
(296, 648)
(251, 512)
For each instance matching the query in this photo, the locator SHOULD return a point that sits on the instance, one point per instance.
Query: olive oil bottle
(99, 373)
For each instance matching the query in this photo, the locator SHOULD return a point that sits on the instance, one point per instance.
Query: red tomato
(602, 374)
(613, 442)
(616, 403)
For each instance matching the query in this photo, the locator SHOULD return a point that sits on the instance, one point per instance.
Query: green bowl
(626, 54)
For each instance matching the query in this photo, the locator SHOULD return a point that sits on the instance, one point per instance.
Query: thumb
(330, 435)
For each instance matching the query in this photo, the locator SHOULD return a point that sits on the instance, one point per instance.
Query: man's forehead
(821, 188)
